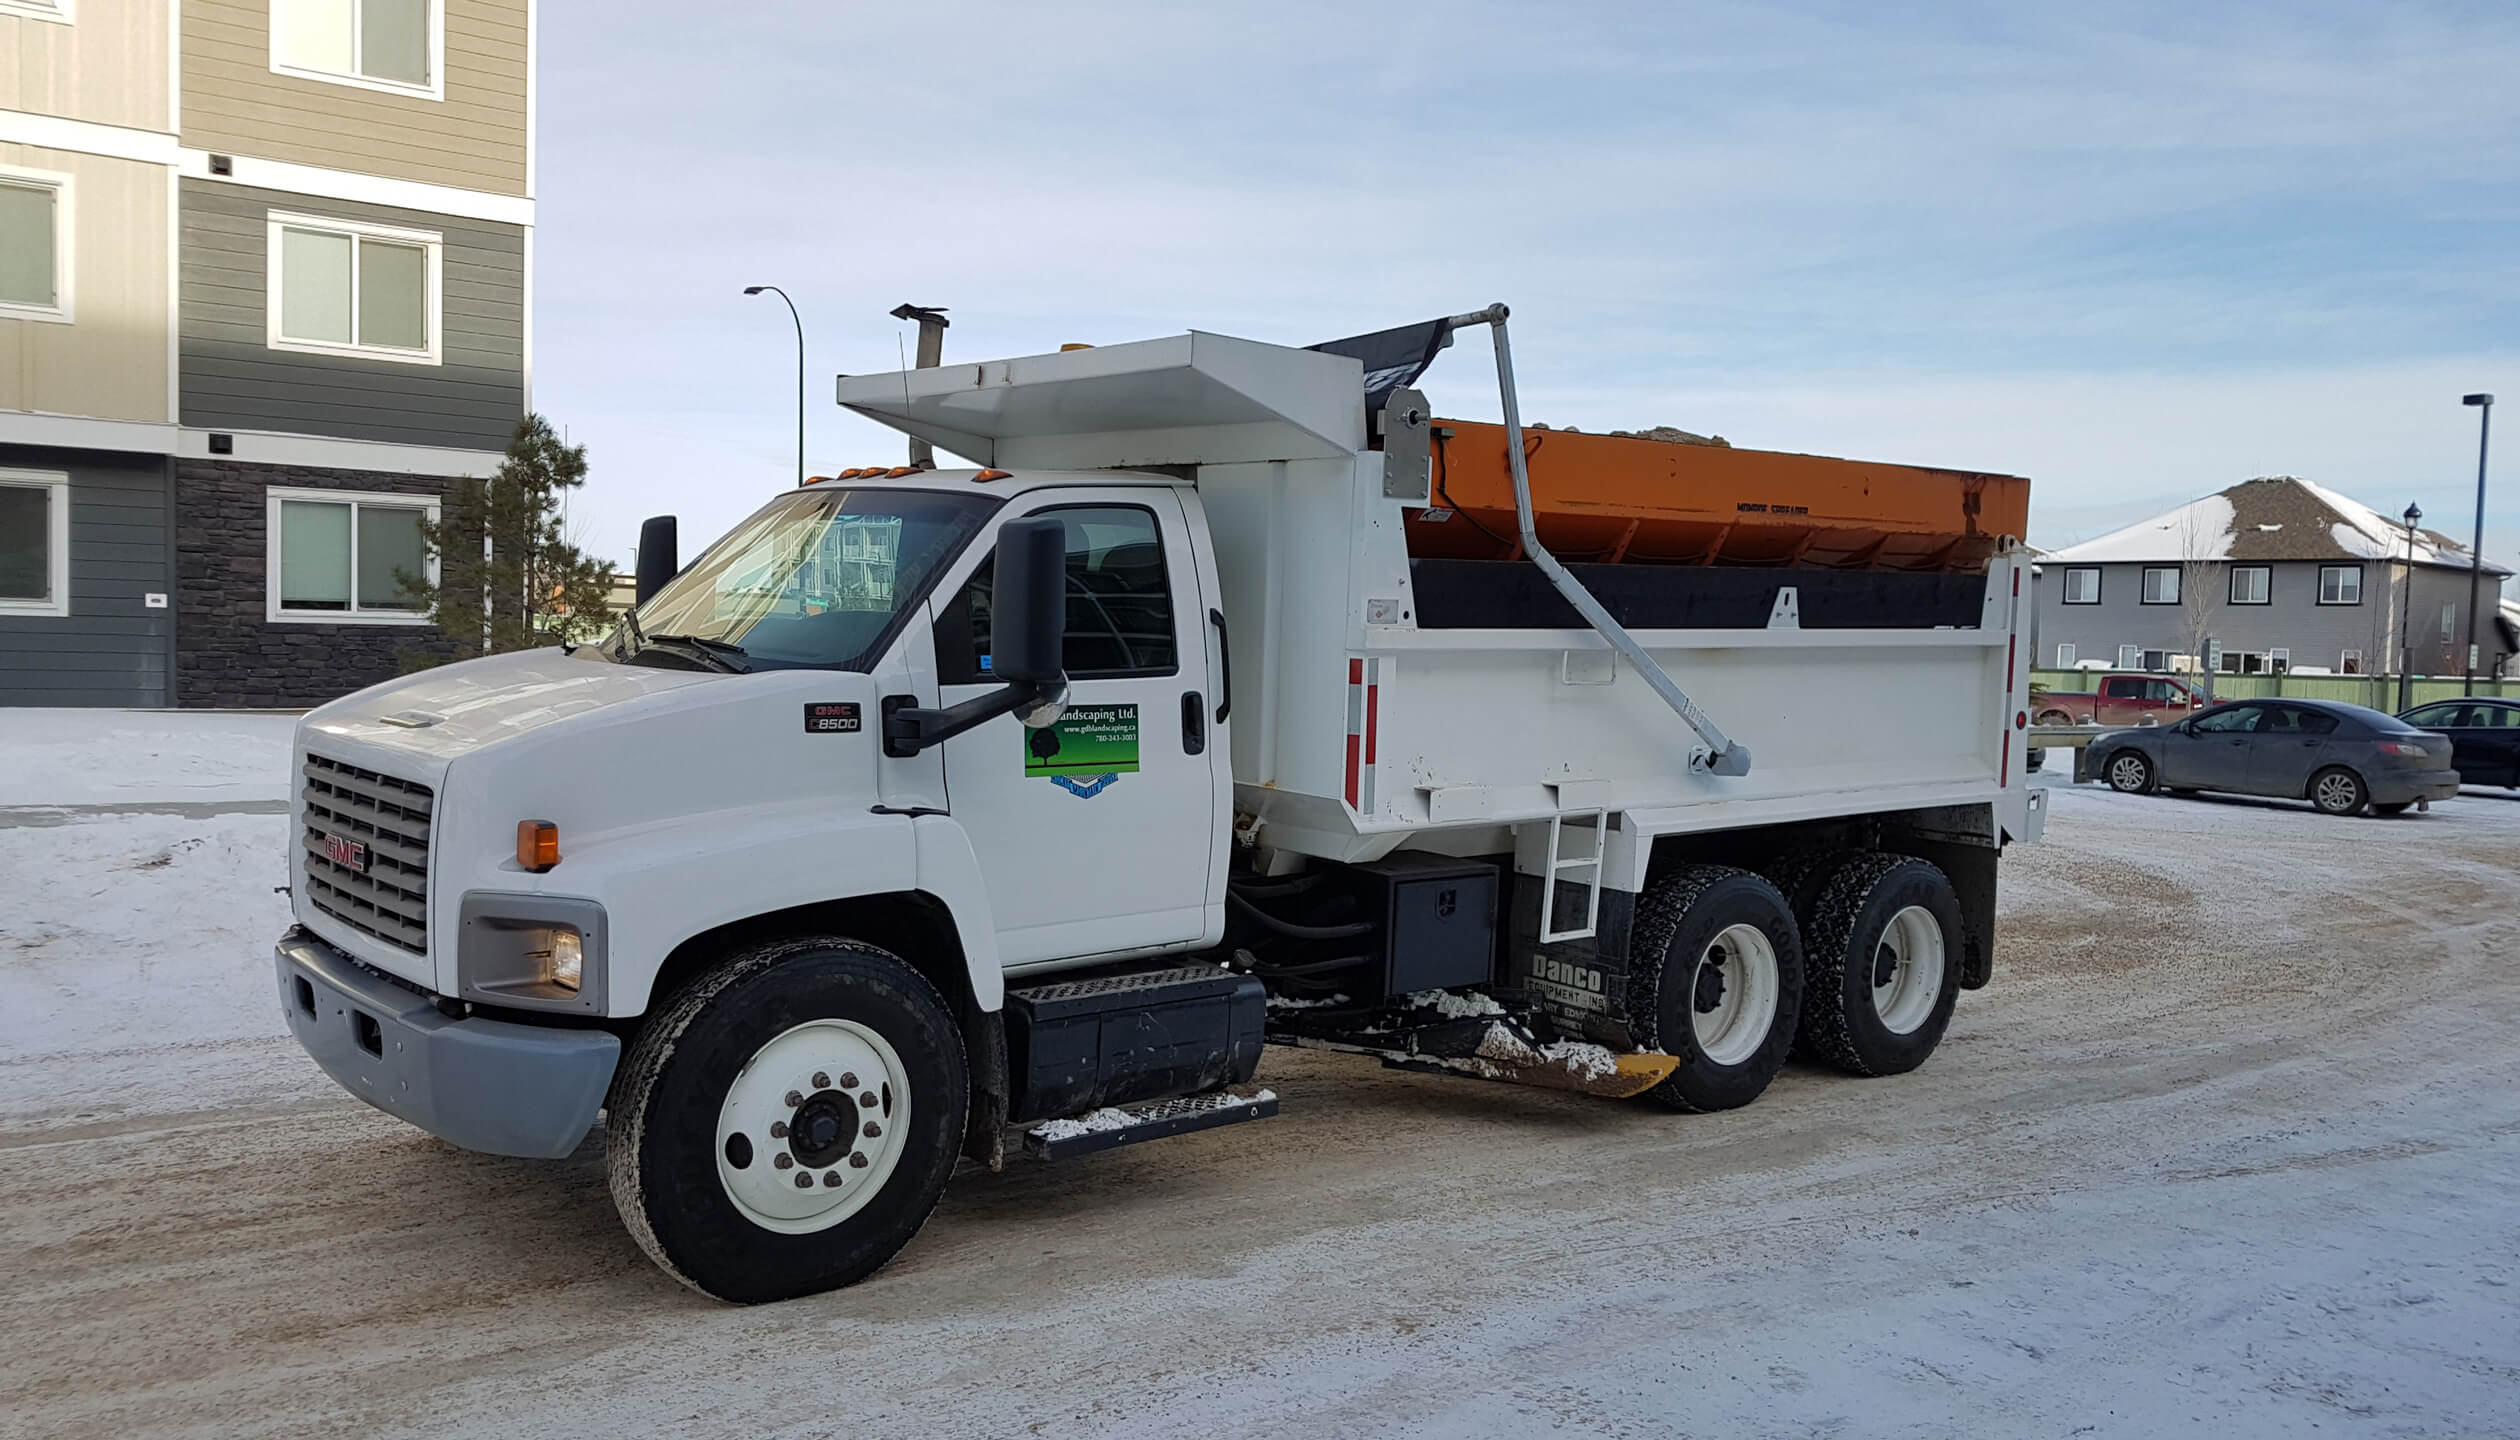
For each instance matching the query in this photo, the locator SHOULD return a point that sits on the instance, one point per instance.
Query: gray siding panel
(232, 378)
(111, 649)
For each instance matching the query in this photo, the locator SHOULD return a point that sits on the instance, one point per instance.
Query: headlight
(531, 951)
(562, 955)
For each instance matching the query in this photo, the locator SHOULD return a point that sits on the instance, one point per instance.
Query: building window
(34, 542)
(2156, 660)
(2250, 584)
(62, 11)
(2279, 659)
(2130, 657)
(337, 287)
(392, 45)
(340, 556)
(2082, 587)
(2349, 663)
(34, 245)
(2161, 585)
(2340, 584)
(2064, 657)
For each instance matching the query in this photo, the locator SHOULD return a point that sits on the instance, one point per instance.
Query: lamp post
(2406, 614)
(800, 372)
(2476, 554)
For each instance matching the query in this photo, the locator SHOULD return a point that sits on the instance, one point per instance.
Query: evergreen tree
(533, 587)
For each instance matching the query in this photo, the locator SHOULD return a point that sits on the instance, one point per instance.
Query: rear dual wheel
(1882, 948)
(1716, 984)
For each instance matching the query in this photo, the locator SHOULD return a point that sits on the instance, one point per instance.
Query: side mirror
(1028, 603)
(659, 548)
(1027, 630)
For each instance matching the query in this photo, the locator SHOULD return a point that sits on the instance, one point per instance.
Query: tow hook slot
(371, 1035)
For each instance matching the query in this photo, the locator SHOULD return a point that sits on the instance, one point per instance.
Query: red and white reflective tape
(1364, 717)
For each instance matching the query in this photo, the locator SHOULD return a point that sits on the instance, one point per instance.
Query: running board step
(1114, 1126)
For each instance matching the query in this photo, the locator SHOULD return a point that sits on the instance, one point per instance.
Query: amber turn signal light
(537, 844)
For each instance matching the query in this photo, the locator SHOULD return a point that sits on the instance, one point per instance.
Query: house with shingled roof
(2272, 574)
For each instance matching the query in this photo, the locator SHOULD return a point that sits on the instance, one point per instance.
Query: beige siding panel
(110, 361)
(108, 69)
(474, 139)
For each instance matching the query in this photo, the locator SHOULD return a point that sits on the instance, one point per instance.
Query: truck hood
(448, 711)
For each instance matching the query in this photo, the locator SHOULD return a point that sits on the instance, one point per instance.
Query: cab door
(1099, 833)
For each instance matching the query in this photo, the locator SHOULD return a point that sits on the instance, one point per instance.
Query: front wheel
(788, 1121)
(2130, 773)
(2338, 792)
(1717, 985)
(2055, 717)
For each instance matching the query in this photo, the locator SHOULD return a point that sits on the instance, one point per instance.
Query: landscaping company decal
(1091, 747)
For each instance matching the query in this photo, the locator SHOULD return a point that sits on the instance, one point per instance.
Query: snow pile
(1456, 1007)
(1087, 1124)
(2198, 530)
(1288, 1002)
(109, 757)
(1584, 1061)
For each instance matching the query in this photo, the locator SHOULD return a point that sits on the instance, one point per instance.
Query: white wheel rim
(829, 1092)
(2336, 792)
(2126, 773)
(1907, 970)
(1732, 995)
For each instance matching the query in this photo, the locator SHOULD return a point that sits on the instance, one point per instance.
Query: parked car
(2484, 737)
(2120, 700)
(2339, 757)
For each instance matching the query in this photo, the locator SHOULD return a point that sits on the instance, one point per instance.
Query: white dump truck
(1232, 700)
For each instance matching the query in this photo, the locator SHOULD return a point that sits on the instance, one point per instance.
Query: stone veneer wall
(227, 654)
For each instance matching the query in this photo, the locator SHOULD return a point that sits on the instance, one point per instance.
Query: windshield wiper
(717, 654)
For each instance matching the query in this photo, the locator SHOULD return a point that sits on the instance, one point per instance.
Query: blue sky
(2136, 252)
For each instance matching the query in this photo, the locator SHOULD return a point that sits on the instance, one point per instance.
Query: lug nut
(821, 1081)
(873, 1129)
(847, 1081)
(804, 1182)
(778, 1129)
(867, 1100)
(785, 1162)
(858, 1161)
(831, 1179)
(794, 1099)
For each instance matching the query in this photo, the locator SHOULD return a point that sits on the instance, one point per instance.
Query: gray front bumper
(486, 1085)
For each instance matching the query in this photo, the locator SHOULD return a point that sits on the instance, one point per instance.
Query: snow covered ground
(2230, 1146)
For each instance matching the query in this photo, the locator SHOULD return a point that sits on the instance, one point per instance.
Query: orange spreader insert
(1636, 500)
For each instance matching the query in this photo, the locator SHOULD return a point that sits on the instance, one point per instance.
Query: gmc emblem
(350, 855)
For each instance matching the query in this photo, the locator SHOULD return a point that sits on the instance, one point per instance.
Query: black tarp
(1392, 358)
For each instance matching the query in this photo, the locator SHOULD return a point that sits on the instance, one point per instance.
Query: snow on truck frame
(1235, 701)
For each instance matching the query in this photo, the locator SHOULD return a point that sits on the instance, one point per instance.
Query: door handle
(1193, 723)
(1224, 667)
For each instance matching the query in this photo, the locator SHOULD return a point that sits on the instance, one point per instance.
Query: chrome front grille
(347, 806)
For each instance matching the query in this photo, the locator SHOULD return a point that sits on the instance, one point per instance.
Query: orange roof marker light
(993, 475)
(898, 471)
(537, 844)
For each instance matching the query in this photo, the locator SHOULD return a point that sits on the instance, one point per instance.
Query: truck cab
(928, 808)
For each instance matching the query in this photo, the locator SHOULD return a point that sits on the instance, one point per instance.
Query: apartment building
(265, 290)
(2273, 574)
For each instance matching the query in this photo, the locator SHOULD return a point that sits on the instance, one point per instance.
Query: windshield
(818, 578)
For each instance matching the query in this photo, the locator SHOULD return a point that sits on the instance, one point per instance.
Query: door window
(2438, 716)
(2229, 722)
(2284, 720)
(2496, 717)
(1119, 602)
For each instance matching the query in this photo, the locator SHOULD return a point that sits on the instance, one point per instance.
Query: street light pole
(2406, 615)
(800, 372)
(2476, 555)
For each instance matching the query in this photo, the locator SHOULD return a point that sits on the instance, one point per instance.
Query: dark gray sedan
(2339, 757)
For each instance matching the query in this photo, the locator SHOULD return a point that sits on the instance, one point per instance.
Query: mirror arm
(909, 729)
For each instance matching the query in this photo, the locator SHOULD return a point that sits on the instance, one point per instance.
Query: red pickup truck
(2120, 700)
